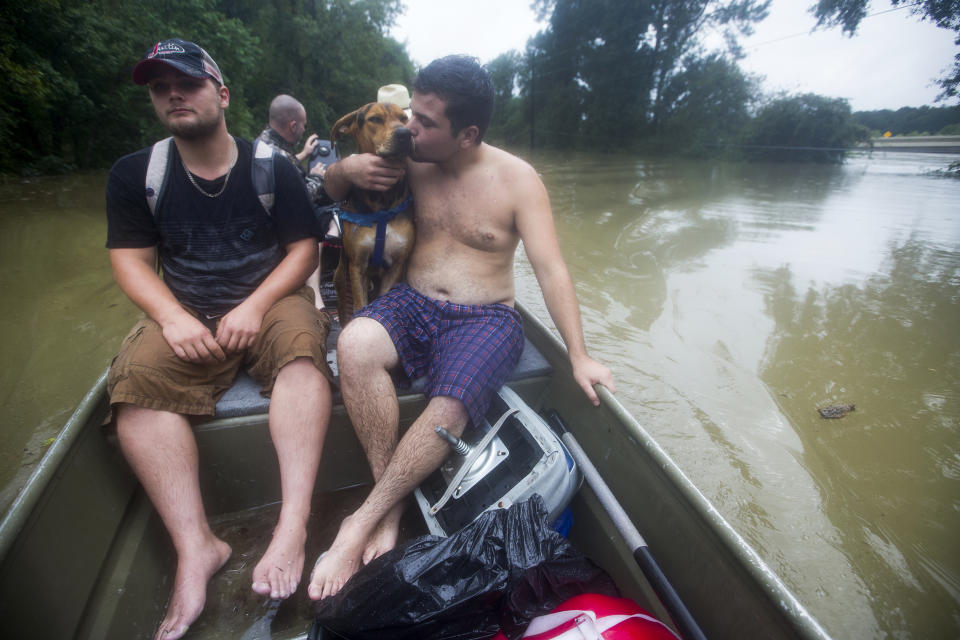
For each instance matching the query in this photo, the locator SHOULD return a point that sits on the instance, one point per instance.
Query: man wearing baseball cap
(232, 295)
(181, 55)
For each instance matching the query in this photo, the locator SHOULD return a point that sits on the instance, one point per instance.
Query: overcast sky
(892, 62)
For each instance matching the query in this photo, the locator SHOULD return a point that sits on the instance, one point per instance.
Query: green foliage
(927, 120)
(617, 74)
(589, 79)
(308, 57)
(706, 105)
(510, 123)
(68, 100)
(849, 13)
(806, 127)
(635, 75)
(607, 73)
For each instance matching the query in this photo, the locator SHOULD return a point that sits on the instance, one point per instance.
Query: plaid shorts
(465, 351)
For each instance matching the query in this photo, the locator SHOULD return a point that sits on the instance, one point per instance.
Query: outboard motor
(517, 456)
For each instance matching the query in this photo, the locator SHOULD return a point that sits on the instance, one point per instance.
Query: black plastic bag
(497, 573)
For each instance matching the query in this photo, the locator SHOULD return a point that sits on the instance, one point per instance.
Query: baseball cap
(183, 56)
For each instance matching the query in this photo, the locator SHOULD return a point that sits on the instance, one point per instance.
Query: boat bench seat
(244, 398)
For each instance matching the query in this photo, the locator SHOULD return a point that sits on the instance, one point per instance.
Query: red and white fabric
(597, 617)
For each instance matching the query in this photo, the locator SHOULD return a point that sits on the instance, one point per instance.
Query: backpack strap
(264, 181)
(158, 172)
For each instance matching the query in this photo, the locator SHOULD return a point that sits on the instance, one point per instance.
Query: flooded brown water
(731, 302)
(62, 314)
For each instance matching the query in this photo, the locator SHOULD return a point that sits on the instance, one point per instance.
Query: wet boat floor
(234, 611)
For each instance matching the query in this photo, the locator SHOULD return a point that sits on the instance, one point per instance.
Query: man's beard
(198, 129)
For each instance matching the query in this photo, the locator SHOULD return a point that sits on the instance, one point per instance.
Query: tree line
(641, 76)
(911, 121)
(617, 74)
(68, 101)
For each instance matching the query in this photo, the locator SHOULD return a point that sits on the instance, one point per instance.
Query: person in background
(287, 124)
(232, 295)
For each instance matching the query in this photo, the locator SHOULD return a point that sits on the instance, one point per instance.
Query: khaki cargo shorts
(147, 373)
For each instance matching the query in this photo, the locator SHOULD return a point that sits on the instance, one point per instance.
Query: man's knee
(448, 412)
(364, 346)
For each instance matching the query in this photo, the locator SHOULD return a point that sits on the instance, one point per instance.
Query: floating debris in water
(836, 410)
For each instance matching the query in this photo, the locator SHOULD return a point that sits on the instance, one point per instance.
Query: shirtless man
(232, 295)
(474, 204)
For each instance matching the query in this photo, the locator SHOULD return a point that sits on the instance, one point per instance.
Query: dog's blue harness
(379, 218)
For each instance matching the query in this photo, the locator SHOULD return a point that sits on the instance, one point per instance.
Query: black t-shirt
(213, 251)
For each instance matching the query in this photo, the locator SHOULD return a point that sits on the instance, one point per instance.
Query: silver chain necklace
(233, 160)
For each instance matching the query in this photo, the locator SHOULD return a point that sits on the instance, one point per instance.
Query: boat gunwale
(28, 498)
(770, 583)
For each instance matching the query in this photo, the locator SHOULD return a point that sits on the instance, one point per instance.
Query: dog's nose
(400, 142)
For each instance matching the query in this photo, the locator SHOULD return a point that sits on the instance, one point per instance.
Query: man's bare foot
(384, 537)
(194, 571)
(278, 573)
(340, 561)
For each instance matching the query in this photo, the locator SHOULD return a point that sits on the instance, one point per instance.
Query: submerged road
(923, 144)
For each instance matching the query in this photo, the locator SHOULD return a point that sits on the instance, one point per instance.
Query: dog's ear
(350, 124)
(345, 126)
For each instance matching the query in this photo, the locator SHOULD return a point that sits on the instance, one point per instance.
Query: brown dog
(377, 225)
